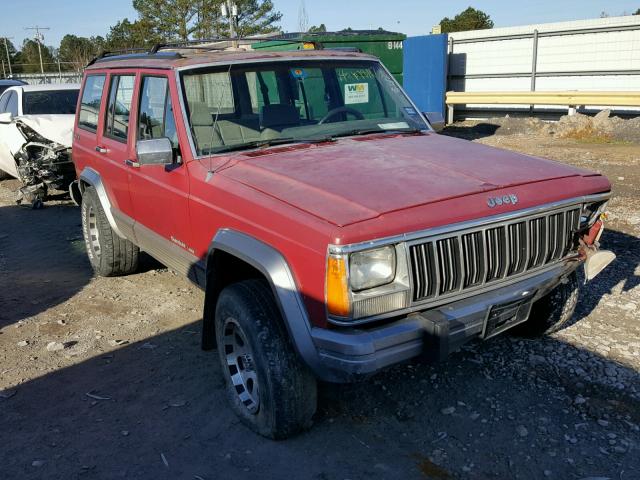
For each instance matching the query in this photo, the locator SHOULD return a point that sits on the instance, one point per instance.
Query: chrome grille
(453, 263)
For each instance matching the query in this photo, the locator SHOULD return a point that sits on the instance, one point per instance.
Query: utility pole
(6, 47)
(39, 39)
(230, 11)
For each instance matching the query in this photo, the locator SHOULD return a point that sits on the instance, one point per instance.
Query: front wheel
(553, 311)
(268, 386)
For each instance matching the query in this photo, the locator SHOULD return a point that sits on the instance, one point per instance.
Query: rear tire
(553, 311)
(269, 388)
(109, 254)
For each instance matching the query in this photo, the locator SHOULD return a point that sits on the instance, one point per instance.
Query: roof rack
(200, 44)
(108, 55)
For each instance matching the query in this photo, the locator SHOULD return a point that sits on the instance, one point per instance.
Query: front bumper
(347, 354)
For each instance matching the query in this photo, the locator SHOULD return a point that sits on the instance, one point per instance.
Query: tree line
(158, 21)
(174, 20)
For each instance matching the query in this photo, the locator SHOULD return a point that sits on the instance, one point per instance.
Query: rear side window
(90, 104)
(156, 112)
(119, 107)
(53, 102)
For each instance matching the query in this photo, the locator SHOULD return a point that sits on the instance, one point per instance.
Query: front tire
(553, 311)
(109, 254)
(268, 386)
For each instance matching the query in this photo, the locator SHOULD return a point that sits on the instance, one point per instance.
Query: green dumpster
(387, 46)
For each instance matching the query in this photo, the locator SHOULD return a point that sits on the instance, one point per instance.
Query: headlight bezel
(372, 301)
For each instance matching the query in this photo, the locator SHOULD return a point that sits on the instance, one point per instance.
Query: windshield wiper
(267, 143)
(367, 131)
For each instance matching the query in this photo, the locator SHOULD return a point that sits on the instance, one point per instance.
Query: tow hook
(595, 260)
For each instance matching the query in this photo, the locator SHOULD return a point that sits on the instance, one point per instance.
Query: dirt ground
(103, 378)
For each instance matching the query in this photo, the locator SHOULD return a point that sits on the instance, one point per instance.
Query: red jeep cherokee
(333, 231)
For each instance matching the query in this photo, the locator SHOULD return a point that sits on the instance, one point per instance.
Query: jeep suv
(333, 231)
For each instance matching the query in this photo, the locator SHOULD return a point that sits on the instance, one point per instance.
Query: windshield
(251, 105)
(50, 102)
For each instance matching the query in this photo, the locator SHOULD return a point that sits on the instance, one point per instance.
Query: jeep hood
(359, 178)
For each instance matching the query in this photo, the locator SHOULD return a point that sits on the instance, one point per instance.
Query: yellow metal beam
(568, 98)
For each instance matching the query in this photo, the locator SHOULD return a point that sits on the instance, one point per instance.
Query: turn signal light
(338, 302)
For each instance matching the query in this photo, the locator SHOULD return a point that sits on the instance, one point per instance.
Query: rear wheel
(109, 254)
(553, 311)
(268, 386)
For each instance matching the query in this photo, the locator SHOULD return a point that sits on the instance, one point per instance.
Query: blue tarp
(425, 71)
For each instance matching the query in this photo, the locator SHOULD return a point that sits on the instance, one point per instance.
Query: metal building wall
(594, 55)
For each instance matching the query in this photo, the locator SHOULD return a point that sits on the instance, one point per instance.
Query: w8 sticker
(356, 93)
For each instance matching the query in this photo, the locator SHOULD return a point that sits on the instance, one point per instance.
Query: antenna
(39, 40)
(303, 17)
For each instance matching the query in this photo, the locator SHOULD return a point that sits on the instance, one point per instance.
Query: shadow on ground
(43, 262)
(42, 253)
(473, 132)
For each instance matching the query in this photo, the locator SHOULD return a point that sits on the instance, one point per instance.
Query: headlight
(591, 212)
(366, 283)
(372, 268)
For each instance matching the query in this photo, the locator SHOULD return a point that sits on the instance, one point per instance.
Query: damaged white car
(36, 126)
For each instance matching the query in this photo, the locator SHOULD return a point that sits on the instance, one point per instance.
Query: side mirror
(157, 151)
(436, 120)
(6, 117)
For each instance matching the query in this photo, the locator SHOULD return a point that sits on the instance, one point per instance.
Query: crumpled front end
(42, 165)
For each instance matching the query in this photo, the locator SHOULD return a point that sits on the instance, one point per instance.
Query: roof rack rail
(114, 55)
(199, 44)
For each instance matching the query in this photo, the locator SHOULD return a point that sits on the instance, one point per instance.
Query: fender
(91, 177)
(276, 270)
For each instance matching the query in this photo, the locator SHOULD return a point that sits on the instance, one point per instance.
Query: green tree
(318, 29)
(637, 12)
(172, 19)
(470, 19)
(127, 35)
(3, 54)
(30, 57)
(254, 17)
(75, 52)
(187, 19)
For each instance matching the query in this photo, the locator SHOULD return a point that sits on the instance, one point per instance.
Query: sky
(413, 17)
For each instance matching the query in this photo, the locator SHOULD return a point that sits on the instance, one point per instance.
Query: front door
(159, 193)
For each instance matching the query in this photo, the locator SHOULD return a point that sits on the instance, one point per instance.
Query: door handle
(100, 149)
(132, 163)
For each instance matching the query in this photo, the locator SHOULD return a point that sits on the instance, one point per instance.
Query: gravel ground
(104, 378)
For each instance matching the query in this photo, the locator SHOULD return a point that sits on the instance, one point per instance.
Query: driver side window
(156, 119)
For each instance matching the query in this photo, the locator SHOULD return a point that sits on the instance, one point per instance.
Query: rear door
(99, 142)
(115, 143)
